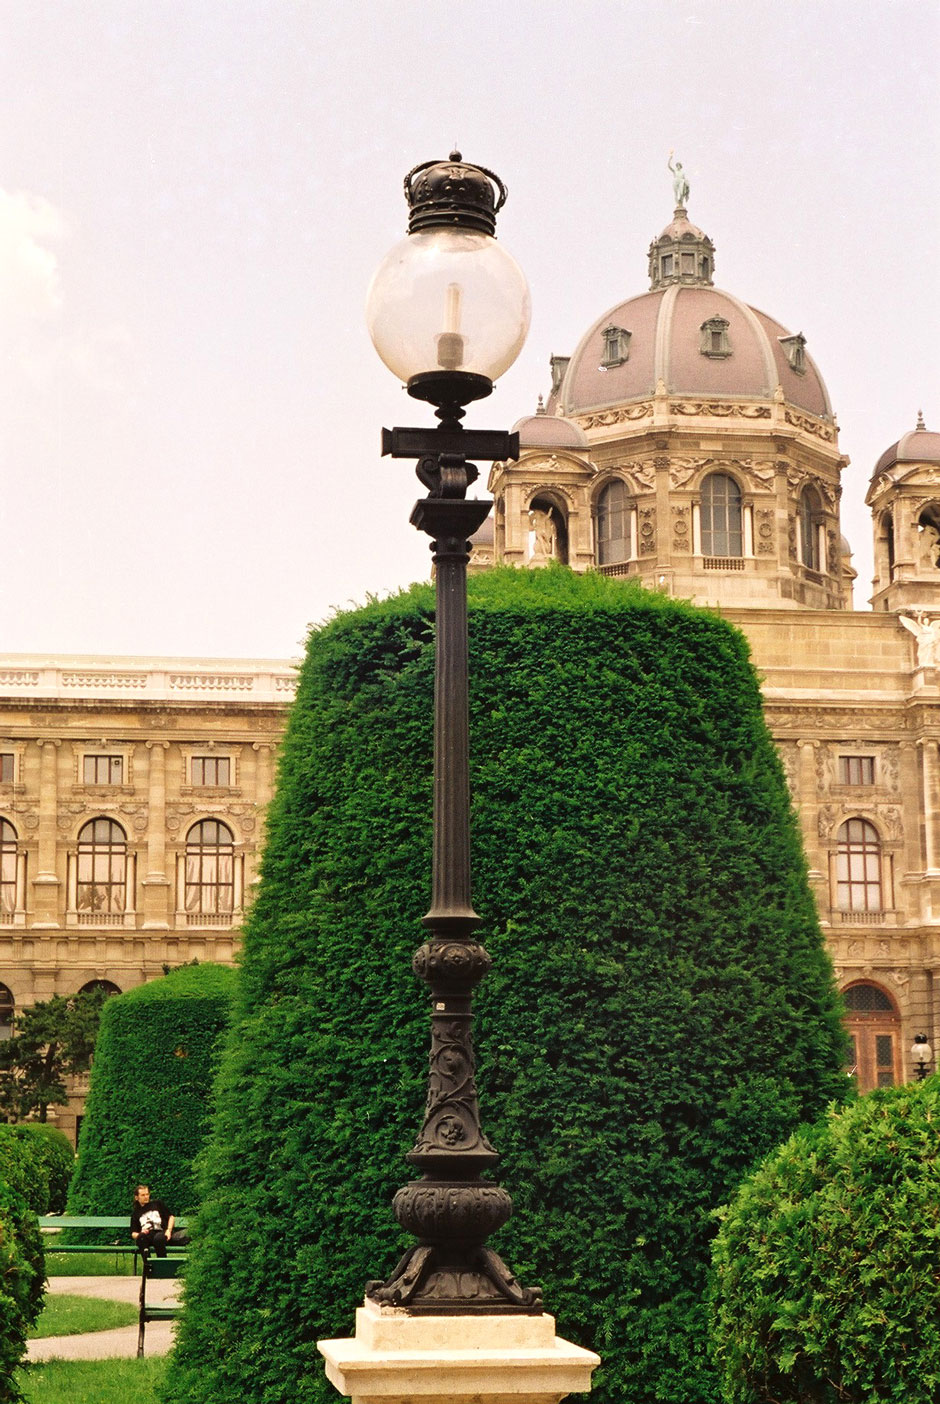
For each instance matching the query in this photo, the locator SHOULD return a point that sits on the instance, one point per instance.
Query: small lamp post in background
(921, 1056)
(448, 311)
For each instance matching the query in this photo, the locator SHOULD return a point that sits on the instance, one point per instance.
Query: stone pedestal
(497, 1359)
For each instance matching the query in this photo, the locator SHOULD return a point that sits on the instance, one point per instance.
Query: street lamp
(921, 1054)
(448, 311)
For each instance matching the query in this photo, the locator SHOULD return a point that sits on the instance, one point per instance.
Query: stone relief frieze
(825, 766)
(719, 409)
(810, 426)
(836, 721)
(605, 418)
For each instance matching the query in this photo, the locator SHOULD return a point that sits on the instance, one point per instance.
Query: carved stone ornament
(719, 409)
(901, 978)
(681, 470)
(810, 426)
(681, 530)
(642, 476)
(791, 540)
(825, 766)
(789, 755)
(647, 531)
(890, 765)
(837, 722)
(605, 418)
(765, 530)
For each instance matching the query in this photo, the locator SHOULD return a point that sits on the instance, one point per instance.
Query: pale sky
(194, 195)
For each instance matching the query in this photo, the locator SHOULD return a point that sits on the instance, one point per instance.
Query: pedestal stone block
(498, 1359)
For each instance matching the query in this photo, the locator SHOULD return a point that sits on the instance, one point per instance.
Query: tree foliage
(40, 1160)
(643, 894)
(52, 1040)
(147, 1113)
(827, 1264)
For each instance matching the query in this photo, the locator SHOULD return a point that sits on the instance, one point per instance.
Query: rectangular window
(6, 768)
(856, 770)
(884, 1059)
(103, 770)
(210, 771)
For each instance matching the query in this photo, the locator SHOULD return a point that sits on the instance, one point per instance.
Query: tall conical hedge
(660, 1014)
(147, 1114)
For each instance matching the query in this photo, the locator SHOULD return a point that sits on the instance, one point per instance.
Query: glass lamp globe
(448, 300)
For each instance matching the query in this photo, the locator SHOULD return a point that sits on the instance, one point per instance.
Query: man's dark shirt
(148, 1218)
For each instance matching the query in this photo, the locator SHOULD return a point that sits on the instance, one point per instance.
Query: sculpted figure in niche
(926, 633)
(928, 546)
(680, 184)
(543, 528)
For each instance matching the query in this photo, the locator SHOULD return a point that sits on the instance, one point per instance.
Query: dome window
(714, 340)
(794, 348)
(616, 347)
(811, 528)
(722, 517)
(559, 365)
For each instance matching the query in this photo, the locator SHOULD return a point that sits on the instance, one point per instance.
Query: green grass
(68, 1315)
(88, 1264)
(93, 1381)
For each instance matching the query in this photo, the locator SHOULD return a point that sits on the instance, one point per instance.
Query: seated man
(151, 1222)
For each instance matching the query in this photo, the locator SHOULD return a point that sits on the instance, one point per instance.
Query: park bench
(62, 1223)
(157, 1269)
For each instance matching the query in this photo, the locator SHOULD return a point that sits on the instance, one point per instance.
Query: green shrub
(661, 1010)
(53, 1151)
(23, 1183)
(827, 1265)
(147, 1113)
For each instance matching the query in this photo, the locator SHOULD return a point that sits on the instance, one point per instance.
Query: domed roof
(920, 445)
(547, 431)
(689, 338)
(675, 336)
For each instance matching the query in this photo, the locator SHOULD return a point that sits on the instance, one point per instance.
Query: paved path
(120, 1342)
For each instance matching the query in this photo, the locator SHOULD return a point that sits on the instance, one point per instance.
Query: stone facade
(132, 798)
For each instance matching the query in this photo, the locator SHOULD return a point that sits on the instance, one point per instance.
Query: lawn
(67, 1315)
(93, 1381)
(88, 1264)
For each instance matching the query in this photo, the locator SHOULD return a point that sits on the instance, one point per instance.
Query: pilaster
(46, 882)
(156, 884)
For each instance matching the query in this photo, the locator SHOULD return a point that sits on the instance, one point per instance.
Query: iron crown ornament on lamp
(448, 311)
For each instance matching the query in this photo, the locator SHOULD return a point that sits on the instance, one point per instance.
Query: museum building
(688, 443)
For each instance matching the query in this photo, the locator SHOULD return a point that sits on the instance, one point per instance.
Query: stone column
(910, 879)
(46, 882)
(156, 885)
(931, 784)
(808, 808)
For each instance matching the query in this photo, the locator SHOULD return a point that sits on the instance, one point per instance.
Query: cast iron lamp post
(448, 311)
(921, 1054)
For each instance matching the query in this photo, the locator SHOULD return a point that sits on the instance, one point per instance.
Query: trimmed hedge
(52, 1152)
(660, 1014)
(147, 1113)
(827, 1264)
(23, 1184)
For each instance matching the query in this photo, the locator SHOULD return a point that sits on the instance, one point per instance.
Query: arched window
(7, 1012)
(8, 853)
(810, 516)
(210, 869)
(613, 524)
(109, 987)
(858, 867)
(722, 533)
(102, 867)
(874, 1026)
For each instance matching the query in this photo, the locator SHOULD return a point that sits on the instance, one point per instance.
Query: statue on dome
(680, 183)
